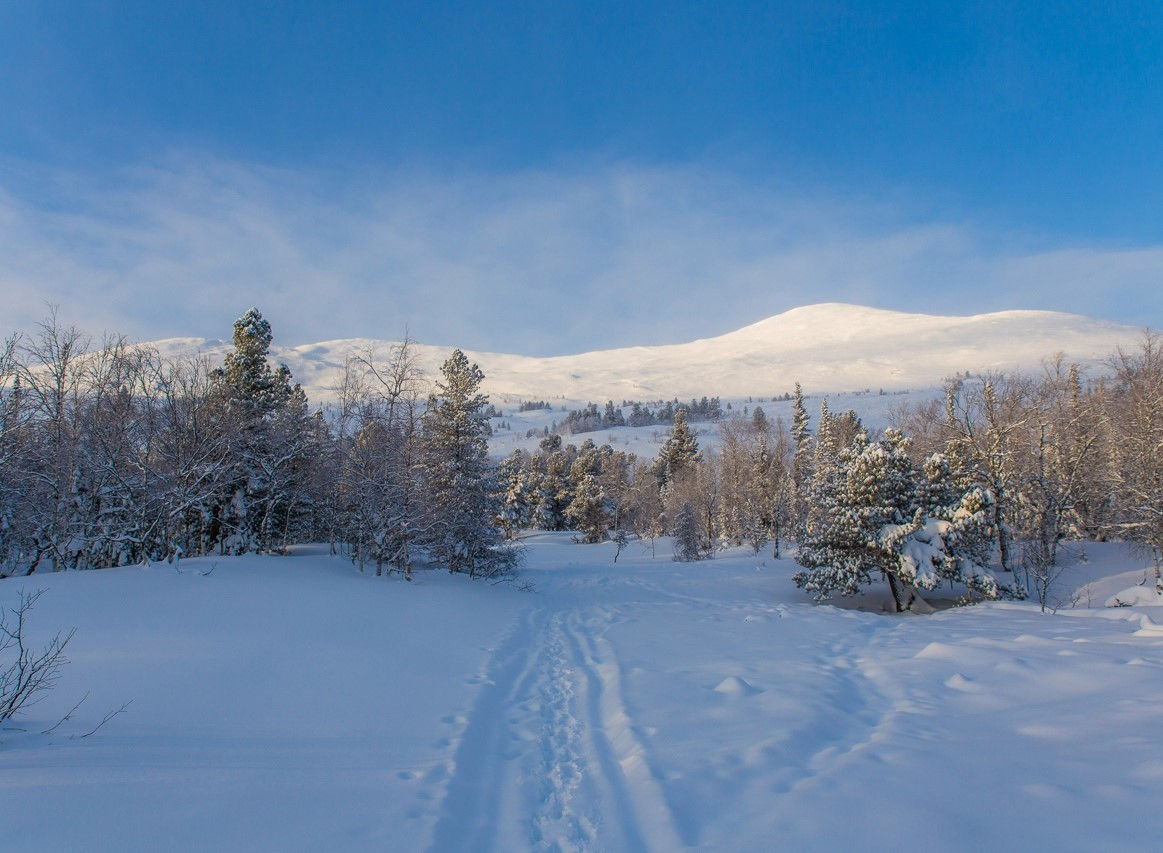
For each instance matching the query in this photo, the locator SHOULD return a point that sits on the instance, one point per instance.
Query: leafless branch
(104, 720)
(67, 716)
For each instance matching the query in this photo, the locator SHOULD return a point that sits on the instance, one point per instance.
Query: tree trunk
(896, 596)
(1003, 539)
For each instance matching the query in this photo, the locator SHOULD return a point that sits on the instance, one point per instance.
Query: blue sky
(553, 177)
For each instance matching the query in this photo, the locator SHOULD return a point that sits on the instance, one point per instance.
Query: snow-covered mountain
(830, 347)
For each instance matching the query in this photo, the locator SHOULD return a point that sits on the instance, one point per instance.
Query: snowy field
(289, 703)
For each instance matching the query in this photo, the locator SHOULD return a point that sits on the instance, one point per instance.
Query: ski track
(551, 759)
(644, 820)
(556, 824)
(476, 793)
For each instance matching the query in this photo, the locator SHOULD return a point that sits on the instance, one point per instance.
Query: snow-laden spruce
(273, 443)
(874, 511)
(460, 485)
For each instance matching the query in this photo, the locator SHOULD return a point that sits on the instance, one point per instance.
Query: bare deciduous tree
(1136, 424)
(26, 673)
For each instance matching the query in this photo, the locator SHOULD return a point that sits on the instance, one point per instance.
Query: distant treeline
(590, 419)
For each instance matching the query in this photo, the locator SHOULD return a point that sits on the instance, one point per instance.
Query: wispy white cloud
(540, 262)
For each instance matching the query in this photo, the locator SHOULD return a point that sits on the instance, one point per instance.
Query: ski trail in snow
(477, 792)
(558, 825)
(519, 767)
(549, 759)
(623, 775)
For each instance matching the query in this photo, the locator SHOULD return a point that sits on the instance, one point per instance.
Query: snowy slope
(827, 348)
(293, 704)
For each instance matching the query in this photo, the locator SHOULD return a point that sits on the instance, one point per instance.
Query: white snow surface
(290, 703)
(828, 348)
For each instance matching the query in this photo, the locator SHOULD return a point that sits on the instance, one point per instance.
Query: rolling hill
(828, 348)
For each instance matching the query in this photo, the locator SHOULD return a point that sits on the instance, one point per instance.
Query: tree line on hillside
(590, 419)
(114, 455)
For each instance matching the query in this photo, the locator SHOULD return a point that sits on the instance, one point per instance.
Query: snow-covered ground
(289, 703)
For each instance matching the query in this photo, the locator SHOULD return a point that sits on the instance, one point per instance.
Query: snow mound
(957, 681)
(1135, 596)
(733, 685)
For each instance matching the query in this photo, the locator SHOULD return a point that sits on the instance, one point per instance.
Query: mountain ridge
(827, 347)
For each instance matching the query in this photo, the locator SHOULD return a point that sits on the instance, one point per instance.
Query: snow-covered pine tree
(830, 537)
(245, 370)
(680, 449)
(760, 500)
(552, 492)
(874, 511)
(951, 541)
(826, 447)
(292, 447)
(986, 417)
(689, 542)
(268, 419)
(518, 494)
(612, 416)
(697, 485)
(801, 467)
(589, 512)
(759, 420)
(588, 461)
(459, 484)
